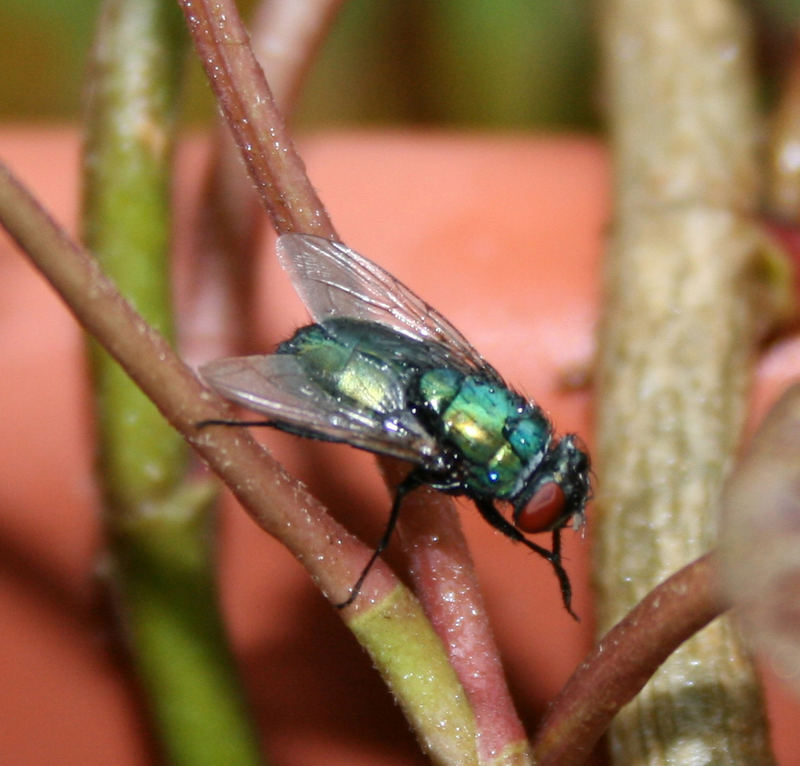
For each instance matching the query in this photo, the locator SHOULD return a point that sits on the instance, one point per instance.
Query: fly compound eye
(543, 511)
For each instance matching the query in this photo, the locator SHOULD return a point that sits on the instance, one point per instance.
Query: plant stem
(446, 584)
(229, 221)
(406, 651)
(676, 345)
(288, 195)
(160, 559)
(257, 125)
(623, 661)
(126, 223)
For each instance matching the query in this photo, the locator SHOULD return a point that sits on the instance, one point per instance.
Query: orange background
(504, 236)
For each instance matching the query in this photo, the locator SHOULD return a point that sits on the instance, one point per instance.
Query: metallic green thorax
(499, 435)
(496, 438)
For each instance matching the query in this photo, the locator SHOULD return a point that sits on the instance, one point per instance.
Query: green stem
(126, 223)
(414, 665)
(161, 568)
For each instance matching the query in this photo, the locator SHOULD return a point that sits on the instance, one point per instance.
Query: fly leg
(563, 578)
(241, 423)
(499, 522)
(411, 482)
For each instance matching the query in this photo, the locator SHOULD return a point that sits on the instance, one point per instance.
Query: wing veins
(372, 295)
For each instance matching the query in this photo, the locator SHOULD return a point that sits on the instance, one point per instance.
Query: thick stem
(676, 345)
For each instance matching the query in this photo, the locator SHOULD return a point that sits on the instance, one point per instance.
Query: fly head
(557, 491)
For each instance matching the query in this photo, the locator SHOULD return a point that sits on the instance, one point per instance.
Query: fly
(383, 371)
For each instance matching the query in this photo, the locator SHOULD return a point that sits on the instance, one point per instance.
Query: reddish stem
(624, 661)
(217, 319)
(222, 43)
(446, 584)
(278, 504)
(248, 106)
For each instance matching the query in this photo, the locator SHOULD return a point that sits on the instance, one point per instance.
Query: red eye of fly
(543, 510)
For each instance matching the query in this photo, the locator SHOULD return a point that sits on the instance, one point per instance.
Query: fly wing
(276, 386)
(335, 281)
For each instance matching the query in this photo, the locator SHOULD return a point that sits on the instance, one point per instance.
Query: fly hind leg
(411, 482)
(499, 522)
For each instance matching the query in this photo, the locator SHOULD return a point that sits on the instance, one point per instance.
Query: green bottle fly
(383, 371)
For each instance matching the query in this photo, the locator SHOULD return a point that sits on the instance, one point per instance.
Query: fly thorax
(529, 433)
(496, 433)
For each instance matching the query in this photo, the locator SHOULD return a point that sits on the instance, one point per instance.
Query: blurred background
(506, 64)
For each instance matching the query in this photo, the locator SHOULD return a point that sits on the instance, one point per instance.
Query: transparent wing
(276, 386)
(335, 281)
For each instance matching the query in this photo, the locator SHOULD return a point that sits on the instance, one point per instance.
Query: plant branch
(242, 92)
(446, 583)
(222, 291)
(465, 631)
(624, 660)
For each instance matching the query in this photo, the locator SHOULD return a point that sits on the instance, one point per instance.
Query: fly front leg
(499, 522)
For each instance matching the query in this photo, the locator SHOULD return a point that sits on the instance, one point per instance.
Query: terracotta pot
(504, 236)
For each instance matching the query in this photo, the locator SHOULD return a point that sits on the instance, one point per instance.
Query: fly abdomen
(336, 360)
